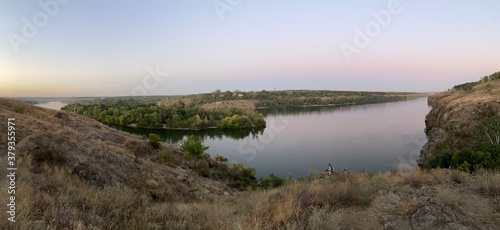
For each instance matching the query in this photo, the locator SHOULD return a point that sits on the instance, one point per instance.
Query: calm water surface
(376, 137)
(57, 105)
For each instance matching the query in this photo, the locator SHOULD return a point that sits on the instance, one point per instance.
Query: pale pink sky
(94, 48)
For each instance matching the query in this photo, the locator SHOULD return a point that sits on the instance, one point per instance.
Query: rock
(435, 217)
(455, 113)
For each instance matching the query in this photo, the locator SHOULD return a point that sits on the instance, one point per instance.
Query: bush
(242, 177)
(272, 181)
(202, 168)
(466, 86)
(464, 167)
(193, 147)
(166, 155)
(19, 109)
(154, 140)
(443, 159)
(488, 182)
(265, 183)
(220, 158)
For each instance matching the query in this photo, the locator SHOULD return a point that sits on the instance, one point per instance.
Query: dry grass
(488, 182)
(419, 178)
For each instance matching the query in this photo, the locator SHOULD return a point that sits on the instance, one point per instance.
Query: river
(373, 137)
(56, 105)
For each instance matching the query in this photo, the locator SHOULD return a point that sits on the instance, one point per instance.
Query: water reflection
(176, 136)
(317, 110)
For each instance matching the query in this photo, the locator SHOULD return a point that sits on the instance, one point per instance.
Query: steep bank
(463, 119)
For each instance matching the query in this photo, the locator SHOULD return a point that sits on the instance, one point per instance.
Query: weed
(166, 155)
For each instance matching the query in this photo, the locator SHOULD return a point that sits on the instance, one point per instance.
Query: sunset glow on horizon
(94, 48)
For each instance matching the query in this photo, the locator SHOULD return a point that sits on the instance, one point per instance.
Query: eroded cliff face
(455, 114)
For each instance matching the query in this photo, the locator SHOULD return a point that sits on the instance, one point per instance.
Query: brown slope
(71, 164)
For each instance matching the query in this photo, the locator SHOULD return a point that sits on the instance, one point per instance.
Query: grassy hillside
(73, 170)
(75, 173)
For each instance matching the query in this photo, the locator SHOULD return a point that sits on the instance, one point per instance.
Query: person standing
(329, 170)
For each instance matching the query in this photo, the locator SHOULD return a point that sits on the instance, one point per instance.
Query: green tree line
(296, 98)
(148, 115)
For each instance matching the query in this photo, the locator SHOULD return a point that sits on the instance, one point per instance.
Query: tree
(193, 147)
(491, 129)
(154, 140)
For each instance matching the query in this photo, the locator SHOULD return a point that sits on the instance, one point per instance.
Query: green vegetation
(220, 158)
(179, 115)
(484, 152)
(237, 121)
(297, 98)
(193, 147)
(492, 77)
(19, 109)
(272, 181)
(166, 155)
(468, 86)
(154, 140)
(237, 176)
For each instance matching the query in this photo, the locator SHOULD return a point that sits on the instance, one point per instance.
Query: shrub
(220, 158)
(488, 182)
(154, 140)
(166, 155)
(466, 86)
(242, 177)
(275, 180)
(193, 147)
(19, 109)
(464, 167)
(202, 168)
(441, 159)
(265, 182)
(272, 181)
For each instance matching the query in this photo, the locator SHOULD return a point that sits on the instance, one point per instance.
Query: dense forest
(130, 112)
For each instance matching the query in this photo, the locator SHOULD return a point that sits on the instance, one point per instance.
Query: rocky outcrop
(455, 114)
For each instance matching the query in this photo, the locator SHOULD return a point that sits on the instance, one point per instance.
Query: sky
(65, 48)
